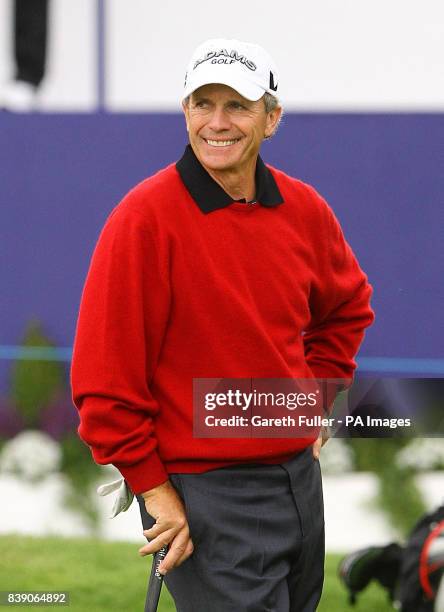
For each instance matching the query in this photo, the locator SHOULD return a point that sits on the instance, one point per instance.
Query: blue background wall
(383, 174)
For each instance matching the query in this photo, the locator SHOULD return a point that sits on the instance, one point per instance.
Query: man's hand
(324, 435)
(171, 527)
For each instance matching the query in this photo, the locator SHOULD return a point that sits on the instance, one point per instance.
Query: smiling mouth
(221, 143)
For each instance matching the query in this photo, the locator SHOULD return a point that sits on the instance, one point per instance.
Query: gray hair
(270, 101)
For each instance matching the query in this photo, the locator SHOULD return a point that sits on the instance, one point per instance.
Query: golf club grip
(155, 581)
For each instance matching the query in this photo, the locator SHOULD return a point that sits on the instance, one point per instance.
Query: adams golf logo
(223, 56)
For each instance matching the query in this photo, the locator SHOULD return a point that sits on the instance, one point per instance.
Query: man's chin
(219, 160)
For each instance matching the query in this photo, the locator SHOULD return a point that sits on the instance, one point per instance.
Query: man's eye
(237, 106)
(200, 104)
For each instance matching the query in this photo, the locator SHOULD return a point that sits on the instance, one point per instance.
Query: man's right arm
(122, 321)
(123, 317)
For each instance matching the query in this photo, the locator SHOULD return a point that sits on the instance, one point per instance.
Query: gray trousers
(258, 534)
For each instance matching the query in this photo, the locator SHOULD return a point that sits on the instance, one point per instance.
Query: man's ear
(272, 121)
(186, 109)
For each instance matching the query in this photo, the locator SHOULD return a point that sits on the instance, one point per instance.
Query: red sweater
(174, 293)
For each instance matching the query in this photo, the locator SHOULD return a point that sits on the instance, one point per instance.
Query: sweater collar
(210, 196)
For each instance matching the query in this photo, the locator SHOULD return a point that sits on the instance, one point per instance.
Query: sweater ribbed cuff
(145, 475)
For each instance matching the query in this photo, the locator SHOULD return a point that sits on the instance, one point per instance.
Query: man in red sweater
(219, 266)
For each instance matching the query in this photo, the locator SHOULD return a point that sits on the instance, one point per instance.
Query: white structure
(334, 55)
(352, 521)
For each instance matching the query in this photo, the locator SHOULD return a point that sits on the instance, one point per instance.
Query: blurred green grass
(110, 576)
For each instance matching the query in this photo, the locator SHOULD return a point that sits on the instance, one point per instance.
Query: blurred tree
(35, 383)
(398, 493)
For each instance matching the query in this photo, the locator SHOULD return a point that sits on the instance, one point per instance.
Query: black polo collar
(210, 196)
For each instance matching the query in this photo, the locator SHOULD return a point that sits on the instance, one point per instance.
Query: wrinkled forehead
(217, 92)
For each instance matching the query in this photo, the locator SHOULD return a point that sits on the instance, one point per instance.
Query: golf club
(155, 581)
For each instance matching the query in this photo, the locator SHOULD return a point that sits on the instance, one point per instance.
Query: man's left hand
(324, 435)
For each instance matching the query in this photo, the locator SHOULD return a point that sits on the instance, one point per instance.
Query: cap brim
(248, 90)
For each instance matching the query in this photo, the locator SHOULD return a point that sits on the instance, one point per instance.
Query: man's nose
(219, 120)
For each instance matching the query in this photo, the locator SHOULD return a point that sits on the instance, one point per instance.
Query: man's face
(226, 129)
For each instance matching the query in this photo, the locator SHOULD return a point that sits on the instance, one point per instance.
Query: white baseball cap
(244, 66)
